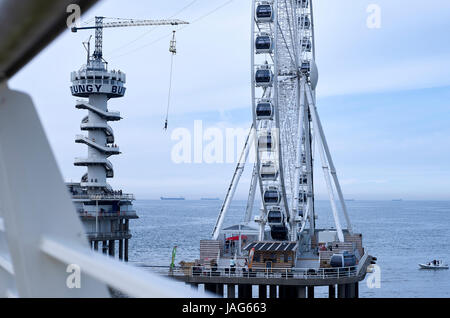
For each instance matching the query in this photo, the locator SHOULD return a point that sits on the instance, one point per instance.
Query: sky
(383, 94)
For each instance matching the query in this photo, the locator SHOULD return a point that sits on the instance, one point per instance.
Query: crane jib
(130, 23)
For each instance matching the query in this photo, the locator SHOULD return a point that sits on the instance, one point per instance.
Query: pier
(103, 224)
(288, 283)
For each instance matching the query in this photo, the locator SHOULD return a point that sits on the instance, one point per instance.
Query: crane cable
(114, 52)
(173, 50)
(179, 29)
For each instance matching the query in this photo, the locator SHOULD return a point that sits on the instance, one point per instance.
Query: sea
(401, 234)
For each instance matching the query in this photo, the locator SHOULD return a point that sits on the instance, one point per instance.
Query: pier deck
(345, 279)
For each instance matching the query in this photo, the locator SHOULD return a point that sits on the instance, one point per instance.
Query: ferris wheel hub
(314, 75)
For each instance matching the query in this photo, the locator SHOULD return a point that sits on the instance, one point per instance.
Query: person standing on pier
(232, 265)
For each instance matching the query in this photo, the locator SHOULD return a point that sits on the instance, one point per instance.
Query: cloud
(376, 149)
(390, 76)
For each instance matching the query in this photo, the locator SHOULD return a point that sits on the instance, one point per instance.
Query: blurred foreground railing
(43, 246)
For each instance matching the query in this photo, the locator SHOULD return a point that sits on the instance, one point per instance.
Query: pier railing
(107, 236)
(287, 273)
(106, 214)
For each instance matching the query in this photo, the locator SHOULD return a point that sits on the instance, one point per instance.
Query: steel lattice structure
(286, 126)
(283, 36)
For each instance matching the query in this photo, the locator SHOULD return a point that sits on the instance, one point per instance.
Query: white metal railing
(128, 279)
(106, 236)
(43, 248)
(108, 114)
(93, 143)
(288, 273)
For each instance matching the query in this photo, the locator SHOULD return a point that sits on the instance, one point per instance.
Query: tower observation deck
(105, 212)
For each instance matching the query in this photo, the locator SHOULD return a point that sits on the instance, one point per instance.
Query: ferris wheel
(284, 78)
(286, 127)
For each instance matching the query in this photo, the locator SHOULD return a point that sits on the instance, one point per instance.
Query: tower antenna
(87, 47)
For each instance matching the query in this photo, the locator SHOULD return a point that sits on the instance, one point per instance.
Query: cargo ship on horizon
(172, 199)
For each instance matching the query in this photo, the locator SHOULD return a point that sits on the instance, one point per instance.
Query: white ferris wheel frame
(296, 131)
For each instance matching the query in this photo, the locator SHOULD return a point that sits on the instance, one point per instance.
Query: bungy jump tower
(105, 213)
(283, 245)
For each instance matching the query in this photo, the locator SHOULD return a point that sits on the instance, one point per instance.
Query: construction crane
(97, 60)
(100, 24)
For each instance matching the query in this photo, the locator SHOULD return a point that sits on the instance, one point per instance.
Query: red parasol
(236, 238)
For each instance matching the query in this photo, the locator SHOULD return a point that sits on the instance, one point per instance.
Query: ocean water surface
(400, 234)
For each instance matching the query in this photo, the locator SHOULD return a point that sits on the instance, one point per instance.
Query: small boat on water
(434, 265)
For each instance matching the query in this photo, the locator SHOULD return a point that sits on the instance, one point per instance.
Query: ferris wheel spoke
(289, 16)
(287, 45)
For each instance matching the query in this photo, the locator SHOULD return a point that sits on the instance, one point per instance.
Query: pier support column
(341, 291)
(231, 291)
(126, 250)
(332, 291)
(291, 292)
(283, 291)
(96, 245)
(262, 291)
(244, 291)
(273, 291)
(104, 247)
(111, 248)
(219, 290)
(349, 290)
(249, 291)
(121, 249)
(211, 288)
(310, 291)
(194, 286)
(300, 292)
(126, 229)
(356, 290)
(241, 291)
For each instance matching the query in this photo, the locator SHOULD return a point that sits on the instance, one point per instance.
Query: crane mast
(100, 24)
